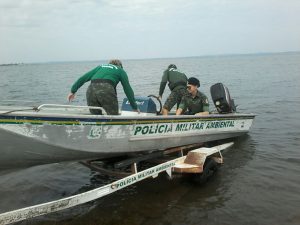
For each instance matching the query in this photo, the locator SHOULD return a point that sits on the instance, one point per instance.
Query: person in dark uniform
(102, 90)
(177, 83)
(195, 103)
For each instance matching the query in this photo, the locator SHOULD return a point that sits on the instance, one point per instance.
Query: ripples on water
(258, 184)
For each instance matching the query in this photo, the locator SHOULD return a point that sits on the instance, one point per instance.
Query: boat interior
(148, 106)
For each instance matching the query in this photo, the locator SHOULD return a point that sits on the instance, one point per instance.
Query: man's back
(175, 79)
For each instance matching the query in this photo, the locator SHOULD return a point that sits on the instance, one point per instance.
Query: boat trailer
(199, 161)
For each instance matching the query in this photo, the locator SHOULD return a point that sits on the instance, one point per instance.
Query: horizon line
(176, 57)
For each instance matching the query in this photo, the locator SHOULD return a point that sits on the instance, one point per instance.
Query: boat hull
(35, 138)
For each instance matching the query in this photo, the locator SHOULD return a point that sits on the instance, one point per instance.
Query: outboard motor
(221, 98)
(146, 105)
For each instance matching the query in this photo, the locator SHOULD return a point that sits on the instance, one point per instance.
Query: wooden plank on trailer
(195, 159)
(187, 168)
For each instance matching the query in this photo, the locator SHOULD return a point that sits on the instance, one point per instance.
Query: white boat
(57, 133)
(54, 133)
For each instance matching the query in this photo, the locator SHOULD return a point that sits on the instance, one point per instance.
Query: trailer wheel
(209, 168)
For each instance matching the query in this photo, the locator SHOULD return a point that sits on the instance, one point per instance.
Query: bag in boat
(221, 98)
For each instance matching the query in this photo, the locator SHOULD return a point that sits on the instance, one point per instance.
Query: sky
(75, 30)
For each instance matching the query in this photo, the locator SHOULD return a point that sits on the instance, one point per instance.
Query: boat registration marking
(95, 132)
(187, 127)
(142, 175)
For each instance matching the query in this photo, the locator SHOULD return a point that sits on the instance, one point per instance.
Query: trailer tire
(209, 168)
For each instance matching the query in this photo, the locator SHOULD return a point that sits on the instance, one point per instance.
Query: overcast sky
(67, 30)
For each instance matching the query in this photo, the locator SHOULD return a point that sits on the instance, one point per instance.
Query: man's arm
(128, 90)
(179, 111)
(205, 107)
(86, 77)
(163, 83)
(182, 107)
(202, 113)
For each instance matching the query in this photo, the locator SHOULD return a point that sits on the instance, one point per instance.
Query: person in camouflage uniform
(177, 84)
(195, 103)
(105, 95)
(102, 90)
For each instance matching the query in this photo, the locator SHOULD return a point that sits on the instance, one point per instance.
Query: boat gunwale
(119, 117)
(113, 120)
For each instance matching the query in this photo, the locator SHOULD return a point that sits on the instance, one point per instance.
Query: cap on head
(194, 81)
(116, 62)
(172, 66)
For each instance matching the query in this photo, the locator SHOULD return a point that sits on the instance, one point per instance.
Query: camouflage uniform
(102, 90)
(177, 84)
(175, 97)
(191, 106)
(102, 95)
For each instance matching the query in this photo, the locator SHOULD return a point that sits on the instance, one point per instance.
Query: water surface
(258, 184)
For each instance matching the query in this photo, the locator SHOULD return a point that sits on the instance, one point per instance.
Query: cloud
(38, 13)
(75, 29)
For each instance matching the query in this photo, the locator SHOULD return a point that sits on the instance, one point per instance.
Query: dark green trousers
(102, 95)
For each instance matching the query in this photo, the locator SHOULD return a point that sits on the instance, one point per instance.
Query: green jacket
(175, 78)
(109, 72)
(194, 105)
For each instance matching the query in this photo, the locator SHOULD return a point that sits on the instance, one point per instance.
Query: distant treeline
(11, 64)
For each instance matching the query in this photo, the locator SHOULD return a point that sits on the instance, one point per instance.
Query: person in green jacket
(195, 103)
(102, 89)
(177, 84)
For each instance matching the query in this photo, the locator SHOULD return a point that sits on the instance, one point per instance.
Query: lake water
(258, 184)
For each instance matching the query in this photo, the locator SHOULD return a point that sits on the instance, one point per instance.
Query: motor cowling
(145, 104)
(221, 98)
